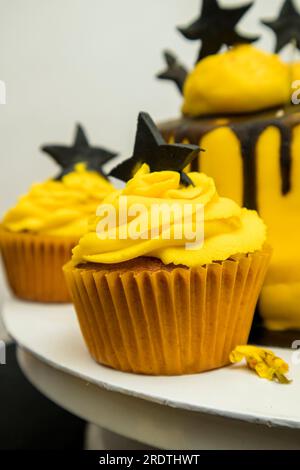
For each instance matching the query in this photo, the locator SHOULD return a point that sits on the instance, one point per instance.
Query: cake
(238, 105)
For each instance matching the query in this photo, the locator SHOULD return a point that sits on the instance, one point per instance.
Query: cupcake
(38, 234)
(151, 296)
(236, 103)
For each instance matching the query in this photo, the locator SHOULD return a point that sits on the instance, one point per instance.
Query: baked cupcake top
(61, 206)
(151, 214)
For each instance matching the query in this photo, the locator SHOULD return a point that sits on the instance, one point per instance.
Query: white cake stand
(229, 408)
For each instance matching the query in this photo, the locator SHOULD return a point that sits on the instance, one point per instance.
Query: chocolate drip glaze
(248, 129)
(248, 137)
(286, 159)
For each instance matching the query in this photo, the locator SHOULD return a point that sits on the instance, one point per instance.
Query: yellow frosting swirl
(59, 208)
(242, 79)
(228, 229)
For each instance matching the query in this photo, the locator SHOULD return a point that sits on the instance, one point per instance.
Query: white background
(91, 61)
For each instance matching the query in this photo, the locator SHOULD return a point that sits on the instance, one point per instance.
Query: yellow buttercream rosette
(228, 229)
(240, 80)
(37, 235)
(59, 208)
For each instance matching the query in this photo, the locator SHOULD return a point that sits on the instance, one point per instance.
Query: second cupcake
(38, 234)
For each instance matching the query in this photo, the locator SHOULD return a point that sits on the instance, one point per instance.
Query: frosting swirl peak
(59, 208)
(228, 229)
(240, 80)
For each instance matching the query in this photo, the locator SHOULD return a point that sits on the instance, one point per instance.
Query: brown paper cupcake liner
(167, 320)
(33, 265)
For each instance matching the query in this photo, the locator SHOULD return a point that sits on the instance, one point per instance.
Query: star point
(286, 26)
(79, 152)
(151, 148)
(216, 27)
(175, 71)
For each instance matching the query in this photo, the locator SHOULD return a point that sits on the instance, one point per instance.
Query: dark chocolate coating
(79, 152)
(215, 27)
(286, 27)
(280, 339)
(248, 128)
(151, 148)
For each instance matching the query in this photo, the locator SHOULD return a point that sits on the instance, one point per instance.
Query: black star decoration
(216, 27)
(175, 71)
(151, 148)
(286, 26)
(79, 152)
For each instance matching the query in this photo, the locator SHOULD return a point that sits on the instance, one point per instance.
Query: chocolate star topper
(79, 152)
(216, 27)
(286, 27)
(175, 71)
(151, 148)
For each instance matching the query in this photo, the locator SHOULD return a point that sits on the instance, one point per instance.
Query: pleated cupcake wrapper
(33, 265)
(168, 322)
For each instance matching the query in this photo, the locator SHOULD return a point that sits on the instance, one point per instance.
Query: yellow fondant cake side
(222, 141)
(280, 300)
(279, 304)
(223, 161)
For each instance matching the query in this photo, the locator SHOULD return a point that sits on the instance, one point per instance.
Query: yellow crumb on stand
(263, 362)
